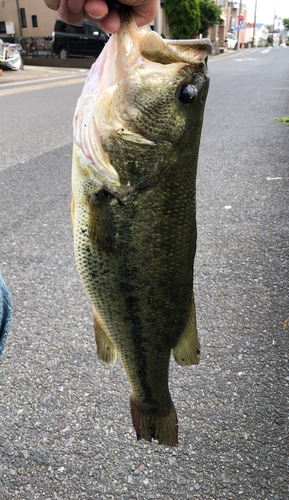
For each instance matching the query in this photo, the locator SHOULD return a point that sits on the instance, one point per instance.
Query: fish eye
(186, 93)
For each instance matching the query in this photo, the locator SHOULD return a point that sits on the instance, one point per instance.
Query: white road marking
(246, 59)
(277, 178)
(41, 86)
(41, 80)
(254, 50)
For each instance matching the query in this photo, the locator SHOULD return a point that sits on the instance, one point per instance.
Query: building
(161, 22)
(238, 22)
(218, 33)
(237, 10)
(32, 18)
(27, 18)
(260, 34)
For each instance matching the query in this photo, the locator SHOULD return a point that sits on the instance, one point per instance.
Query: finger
(111, 23)
(96, 9)
(65, 13)
(144, 11)
(76, 6)
(52, 4)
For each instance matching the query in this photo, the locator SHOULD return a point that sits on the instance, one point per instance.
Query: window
(23, 18)
(60, 26)
(2, 27)
(34, 21)
(76, 30)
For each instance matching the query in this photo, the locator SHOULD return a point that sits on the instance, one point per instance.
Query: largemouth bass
(137, 128)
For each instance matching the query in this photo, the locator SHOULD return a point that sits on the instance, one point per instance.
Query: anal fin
(106, 351)
(187, 350)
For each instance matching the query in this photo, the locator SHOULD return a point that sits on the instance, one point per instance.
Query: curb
(58, 63)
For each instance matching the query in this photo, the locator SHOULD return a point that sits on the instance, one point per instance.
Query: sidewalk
(31, 73)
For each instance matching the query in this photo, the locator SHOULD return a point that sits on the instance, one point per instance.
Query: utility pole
(254, 23)
(157, 22)
(240, 10)
(19, 19)
(274, 26)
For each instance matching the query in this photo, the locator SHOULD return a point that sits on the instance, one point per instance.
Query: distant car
(231, 41)
(77, 40)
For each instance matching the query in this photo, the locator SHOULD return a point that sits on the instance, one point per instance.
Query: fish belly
(135, 258)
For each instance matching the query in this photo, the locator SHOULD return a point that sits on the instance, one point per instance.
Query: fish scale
(135, 229)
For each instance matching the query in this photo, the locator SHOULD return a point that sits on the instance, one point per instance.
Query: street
(65, 424)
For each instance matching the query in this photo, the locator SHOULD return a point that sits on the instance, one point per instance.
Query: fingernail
(97, 18)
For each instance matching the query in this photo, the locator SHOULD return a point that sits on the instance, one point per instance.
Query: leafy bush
(184, 17)
(210, 15)
(286, 23)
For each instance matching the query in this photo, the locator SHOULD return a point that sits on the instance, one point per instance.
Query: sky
(265, 10)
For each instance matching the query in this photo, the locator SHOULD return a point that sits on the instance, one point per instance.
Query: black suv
(77, 40)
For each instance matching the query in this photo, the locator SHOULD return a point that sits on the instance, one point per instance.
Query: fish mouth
(156, 49)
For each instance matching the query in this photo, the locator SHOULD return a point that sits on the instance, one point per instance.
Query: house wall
(218, 33)
(45, 17)
(165, 28)
(8, 12)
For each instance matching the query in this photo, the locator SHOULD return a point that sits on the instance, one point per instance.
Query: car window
(78, 30)
(90, 29)
(60, 26)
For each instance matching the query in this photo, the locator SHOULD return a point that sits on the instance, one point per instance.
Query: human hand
(105, 14)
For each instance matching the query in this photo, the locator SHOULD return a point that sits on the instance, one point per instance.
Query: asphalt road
(65, 427)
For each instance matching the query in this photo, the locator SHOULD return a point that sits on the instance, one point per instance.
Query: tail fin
(159, 425)
(106, 351)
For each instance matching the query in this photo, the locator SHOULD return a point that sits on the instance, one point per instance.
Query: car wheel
(63, 53)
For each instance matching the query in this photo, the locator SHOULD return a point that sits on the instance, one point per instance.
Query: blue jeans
(5, 313)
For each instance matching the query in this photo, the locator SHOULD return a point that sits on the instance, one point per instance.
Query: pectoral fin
(101, 231)
(187, 350)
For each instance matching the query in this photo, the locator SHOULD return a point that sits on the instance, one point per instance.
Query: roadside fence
(36, 46)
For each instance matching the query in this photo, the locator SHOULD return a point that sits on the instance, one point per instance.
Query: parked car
(77, 40)
(231, 41)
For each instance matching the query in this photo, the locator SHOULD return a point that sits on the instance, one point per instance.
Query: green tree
(210, 15)
(184, 17)
(286, 23)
